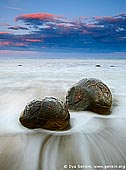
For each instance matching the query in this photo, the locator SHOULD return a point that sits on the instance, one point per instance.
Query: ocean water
(93, 142)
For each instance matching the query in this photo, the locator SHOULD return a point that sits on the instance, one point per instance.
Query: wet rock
(48, 113)
(97, 65)
(89, 94)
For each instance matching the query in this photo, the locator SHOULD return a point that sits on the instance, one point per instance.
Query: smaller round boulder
(98, 65)
(48, 113)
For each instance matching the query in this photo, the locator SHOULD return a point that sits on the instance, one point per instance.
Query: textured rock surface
(89, 94)
(49, 113)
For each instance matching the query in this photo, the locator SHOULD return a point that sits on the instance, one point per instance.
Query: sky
(63, 25)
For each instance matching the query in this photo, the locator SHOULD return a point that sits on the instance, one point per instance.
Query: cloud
(2, 33)
(17, 41)
(106, 33)
(14, 8)
(38, 18)
(19, 44)
(5, 43)
(5, 24)
(17, 28)
(32, 40)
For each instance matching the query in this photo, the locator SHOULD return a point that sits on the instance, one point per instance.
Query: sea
(93, 142)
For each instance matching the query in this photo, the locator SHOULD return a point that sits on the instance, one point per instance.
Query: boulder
(89, 94)
(48, 113)
(98, 65)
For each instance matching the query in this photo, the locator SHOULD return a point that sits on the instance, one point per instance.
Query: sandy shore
(93, 142)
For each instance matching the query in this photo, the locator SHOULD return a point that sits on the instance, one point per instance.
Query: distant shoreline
(54, 58)
(9, 54)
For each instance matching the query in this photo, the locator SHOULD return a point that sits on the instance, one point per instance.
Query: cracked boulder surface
(48, 113)
(90, 94)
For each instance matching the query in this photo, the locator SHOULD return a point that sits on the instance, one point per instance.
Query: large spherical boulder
(89, 94)
(48, 113)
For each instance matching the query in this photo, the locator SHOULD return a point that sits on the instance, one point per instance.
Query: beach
(93, 142)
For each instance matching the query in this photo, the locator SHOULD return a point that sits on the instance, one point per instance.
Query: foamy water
(92, 140)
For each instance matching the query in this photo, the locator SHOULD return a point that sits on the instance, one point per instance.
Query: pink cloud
(38, 16)
(5, 43)
(4, 33)
(33, 40)
(91, 26)
(16, 44)
(20, 44)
